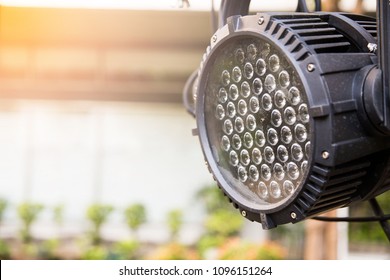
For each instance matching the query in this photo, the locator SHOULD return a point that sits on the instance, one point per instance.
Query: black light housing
(292, 112)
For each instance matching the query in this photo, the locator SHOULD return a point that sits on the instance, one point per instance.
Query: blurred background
(97, 159)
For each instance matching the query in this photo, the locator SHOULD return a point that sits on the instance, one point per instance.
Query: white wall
(76, 153)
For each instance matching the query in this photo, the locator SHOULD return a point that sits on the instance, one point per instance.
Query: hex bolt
(311, 67)
(293, 215)
(243, 213)
(325, 154)
(261, 20)
(372, 47)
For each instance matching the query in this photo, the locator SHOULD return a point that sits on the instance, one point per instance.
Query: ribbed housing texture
(302, 35)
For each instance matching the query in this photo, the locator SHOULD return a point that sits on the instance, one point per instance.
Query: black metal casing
(330, 51)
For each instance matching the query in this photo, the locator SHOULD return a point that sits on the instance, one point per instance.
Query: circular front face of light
(257, 121)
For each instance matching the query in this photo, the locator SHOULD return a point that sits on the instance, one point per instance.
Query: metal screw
(372, 47)
(261, 20)
(214, 38)
(293, 215)
(325, 155)
(243, 213)
(311, 67)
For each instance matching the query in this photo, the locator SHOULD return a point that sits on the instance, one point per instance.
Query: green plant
(28, 251)
(175, 221)
(135, 216)
(48, 249)
(126, 250)
(368, 233)
(212, 198)
(209, 241)
(5, 253)
(98, 214)
(28, 213)
(95, 253)
(224, 222)
(220, 225)
(291, 237)
(221, 221)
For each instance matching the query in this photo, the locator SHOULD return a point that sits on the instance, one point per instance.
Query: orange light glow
(109, 4)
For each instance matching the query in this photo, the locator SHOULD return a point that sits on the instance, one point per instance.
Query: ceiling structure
(97, 54)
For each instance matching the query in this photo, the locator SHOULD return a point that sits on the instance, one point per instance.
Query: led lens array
(257, 120)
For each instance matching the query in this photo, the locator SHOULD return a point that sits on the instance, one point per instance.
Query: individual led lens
(219, 112)
(245, 158)
(274, 63)
(240, 56)
(290, 117)
(231, 110)
(225, 78)
(292, 171)
(242, 174)
(261, 67)
(307, 149)
(303, 113)
(239, 125)
(296, 152)
(294, 96)
(248, 71)
(275, 190)
(266, 50)
(278, 171)
(265, 172)
(248, 140)
(245, 89)
(256, 156)
(272, 137)
(225, 143)
(233, 92)
(284, 79)
(270, 83)
(266, 102)
(276, 118)
(222, 95)
(282, 153)
(288, 188)
(259, 138)
(269, 155)
(286, 135)
(242, 107)
(257, 86)
(236, 74)
(254, 105)
(251, 123)
(304, 166)
(300, 133)
(252, 52)
(262, 190)
(280, 99)
(233, 158)
(228, 127)
(253, 173)
(236, 142)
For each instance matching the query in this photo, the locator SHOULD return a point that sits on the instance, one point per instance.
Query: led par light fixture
(290, 113)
